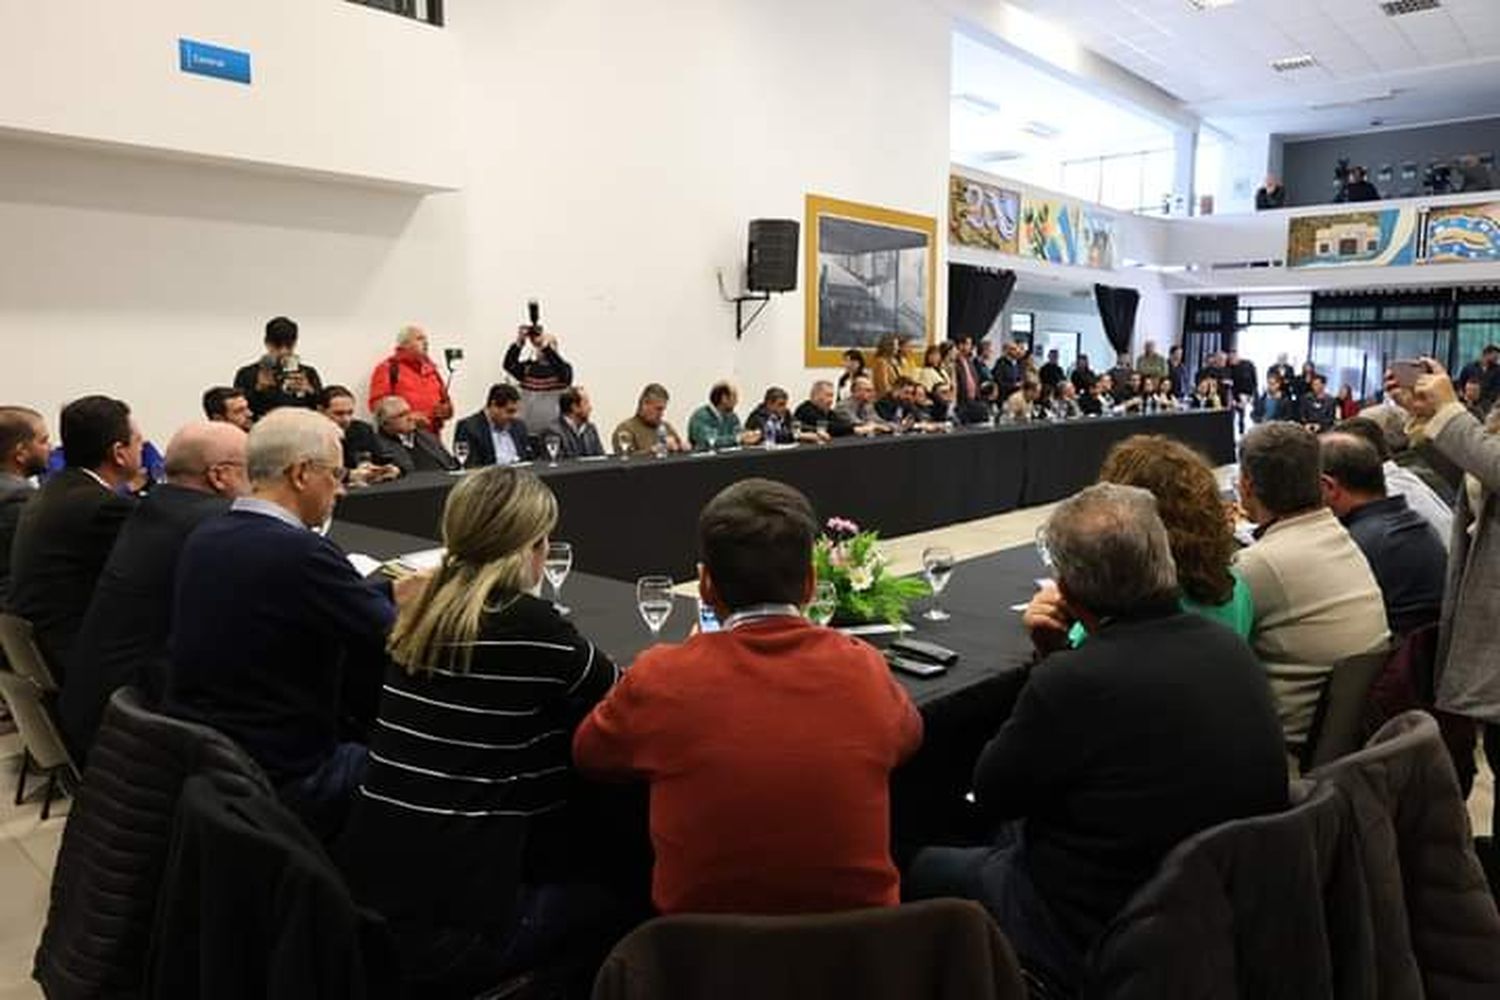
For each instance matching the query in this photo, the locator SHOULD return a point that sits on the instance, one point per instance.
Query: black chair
(1338, 723)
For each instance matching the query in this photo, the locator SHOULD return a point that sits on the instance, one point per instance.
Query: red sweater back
(768, 749)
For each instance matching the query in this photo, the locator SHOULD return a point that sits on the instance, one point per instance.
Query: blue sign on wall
(211, 60)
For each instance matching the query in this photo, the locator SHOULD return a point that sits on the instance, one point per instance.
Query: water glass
(937, 566)
(824, 604)
(653, 599)
(461, 452)
(557, 566)
(624, 441)
(553, 446)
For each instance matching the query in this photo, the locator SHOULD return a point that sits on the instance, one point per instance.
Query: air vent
(1396, 8)
(1001, 155)
(978, 105)
(1041, 130)
(1208, 4)
(1288, 64)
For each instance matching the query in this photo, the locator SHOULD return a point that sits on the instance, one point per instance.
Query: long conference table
(629, 517)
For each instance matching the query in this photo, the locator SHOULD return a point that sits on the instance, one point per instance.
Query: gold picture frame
(868, 272)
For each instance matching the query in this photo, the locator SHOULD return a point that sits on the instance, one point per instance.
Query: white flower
(860, 578)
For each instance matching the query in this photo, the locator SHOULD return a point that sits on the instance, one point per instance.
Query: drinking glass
(825, 602)
(362, 458)
(559, 562)
(1042, 551)
(553, 445)
(823, 429)
(653, 598)
(623, 443)
(461, 452)
(937, 566)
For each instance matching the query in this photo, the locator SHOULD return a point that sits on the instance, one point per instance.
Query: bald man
(123, 639)
(410, 374)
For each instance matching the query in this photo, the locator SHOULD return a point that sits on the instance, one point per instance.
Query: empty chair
(18, 641)
(941, 949)
(1338, 722)
(43, 749)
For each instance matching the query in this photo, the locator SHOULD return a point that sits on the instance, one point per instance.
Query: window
(1131, 182)
(430, 11)
(1355, 337)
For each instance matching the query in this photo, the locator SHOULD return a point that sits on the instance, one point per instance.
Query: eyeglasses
(339, 473)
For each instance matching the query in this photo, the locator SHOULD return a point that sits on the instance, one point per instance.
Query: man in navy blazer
(274, 634)
(496, 435)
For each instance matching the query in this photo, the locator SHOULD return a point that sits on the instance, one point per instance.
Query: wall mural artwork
(870, 271)
(1049, 230)
(1462, 234)
(1384, 238)
(1097, 243)
(983, 215)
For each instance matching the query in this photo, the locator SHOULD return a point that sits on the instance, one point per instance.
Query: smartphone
(917, 668)
(930, 651)
(707, 620)
(1406, 373)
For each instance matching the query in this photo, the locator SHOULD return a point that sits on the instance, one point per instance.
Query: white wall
(337, 88)
(612, 158)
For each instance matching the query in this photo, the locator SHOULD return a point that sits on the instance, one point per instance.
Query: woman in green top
(1198, 523)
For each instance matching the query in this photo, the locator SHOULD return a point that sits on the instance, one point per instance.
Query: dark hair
(855, 354)
(1353, 462)
(1282, 462)
(756, 539)
(17, 427)
(281, 332)
(330, 393)
(1369, 430)
(1491, 349)
(775, 394)
(654, 390)
(502, 394)
(568, 401)
(719, 392)
(91, 426)
(216, 400)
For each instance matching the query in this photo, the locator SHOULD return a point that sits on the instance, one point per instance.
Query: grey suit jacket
(14, 492)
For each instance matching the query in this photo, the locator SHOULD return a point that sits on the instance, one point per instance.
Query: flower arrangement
(854, 563)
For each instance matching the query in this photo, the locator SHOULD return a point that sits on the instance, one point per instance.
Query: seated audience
(1021, 405)
(1405, 554)
(1082, 377)
(1065, 402)
(854, 365)
(228, 405)
(496, 435)
(715, 424)
(365, 455)
(899, 408)
(937, 365)
(1269, 195)
(1316, 601)
(885, 367)
(773, 421)
(1484, 372)
(576, 434)
(1317, 410)
(1159, 726)
(65, 533)
(1274, 403)
(1200, 533)
(1402, 482)
(969, 381)
(24, 446)
(941, 408)
(275, 637)
(649, 430)
(279, 378)
(858, 408)
(743, 823)
(1471, 394)
(1120, 375)
(469, 757)
(410, 374)
(818, 412)
(1098, 399)
(541, 374)
(123, 638)
(1206, 395)
(1345, 403)
(405, 445)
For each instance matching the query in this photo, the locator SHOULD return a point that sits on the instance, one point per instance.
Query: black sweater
(1152, 730)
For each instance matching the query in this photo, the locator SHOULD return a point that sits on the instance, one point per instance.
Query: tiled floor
(28, 845)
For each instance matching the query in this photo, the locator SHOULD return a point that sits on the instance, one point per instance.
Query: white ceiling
(1431, 66)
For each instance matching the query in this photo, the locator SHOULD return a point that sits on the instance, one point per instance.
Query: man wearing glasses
(276, 641)
(408, 447)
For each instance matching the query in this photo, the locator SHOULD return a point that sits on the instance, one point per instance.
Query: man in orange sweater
(769, 744)
(410, 374)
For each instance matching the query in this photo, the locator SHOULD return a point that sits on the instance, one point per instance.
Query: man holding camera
(279, 378)
(542, 374)
(410, 373)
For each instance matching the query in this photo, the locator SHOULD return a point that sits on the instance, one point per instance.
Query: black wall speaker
(773, 255)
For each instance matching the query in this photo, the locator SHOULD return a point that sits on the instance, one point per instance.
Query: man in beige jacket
(1316, 599)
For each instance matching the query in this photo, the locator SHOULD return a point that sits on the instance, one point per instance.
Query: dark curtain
(1117, 309)
(975, 297)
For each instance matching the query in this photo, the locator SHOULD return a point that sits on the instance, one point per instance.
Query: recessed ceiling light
(1041, 130)
(1288, 63)
(1396, 8)
(1208, 4)
(978, 105)
(1001, 155)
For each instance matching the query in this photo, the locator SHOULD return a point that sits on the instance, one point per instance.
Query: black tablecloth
(630, 518)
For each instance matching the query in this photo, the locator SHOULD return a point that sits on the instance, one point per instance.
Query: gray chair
(18, 642)
(1338, 723)
(43, 750)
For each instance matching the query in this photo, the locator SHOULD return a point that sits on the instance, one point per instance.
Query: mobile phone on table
(708, 621)
(917, 668)
(1407, 372)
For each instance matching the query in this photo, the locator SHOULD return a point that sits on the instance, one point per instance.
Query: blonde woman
(469, 759)
(885, 369)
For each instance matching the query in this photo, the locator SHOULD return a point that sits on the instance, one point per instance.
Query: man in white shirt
(496, 435)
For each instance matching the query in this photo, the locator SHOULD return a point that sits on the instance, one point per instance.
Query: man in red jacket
(410, 374)
(769, 744)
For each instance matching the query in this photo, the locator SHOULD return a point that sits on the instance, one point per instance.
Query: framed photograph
(870, 272)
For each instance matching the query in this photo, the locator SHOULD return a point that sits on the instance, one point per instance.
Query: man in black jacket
(408, 447)
(1159, 725)
(496, 435)
(817, 411)
(123, 638)
(365, 455)
(67, 530)
(24, 448)
(1405, 553)
(1317, 410)
(279, 378)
